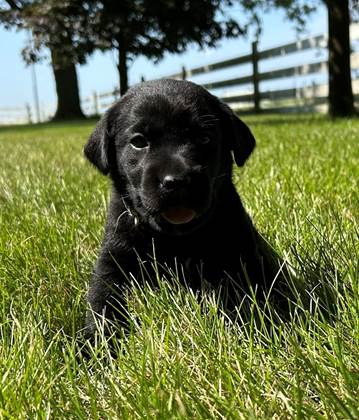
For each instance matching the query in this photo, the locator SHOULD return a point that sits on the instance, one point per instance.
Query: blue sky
(100, 74)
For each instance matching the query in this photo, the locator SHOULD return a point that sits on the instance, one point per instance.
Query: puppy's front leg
(106, 295)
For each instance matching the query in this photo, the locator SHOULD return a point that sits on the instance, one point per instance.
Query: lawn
(182, 359)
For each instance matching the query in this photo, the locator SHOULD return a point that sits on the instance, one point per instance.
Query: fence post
(256, 93)
(28, 113)
(95, 103)
(184, 73)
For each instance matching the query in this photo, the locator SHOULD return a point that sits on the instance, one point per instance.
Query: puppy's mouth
(178, 215)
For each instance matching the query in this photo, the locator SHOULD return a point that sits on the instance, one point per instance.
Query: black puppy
(167, 146)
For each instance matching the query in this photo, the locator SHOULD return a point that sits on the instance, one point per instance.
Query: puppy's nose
(173, 182)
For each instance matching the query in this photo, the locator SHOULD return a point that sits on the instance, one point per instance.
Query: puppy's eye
(138, 141)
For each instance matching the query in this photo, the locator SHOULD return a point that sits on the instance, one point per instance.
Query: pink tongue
(178, 215)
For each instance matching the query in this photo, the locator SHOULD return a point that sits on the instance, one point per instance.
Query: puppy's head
(167, 146)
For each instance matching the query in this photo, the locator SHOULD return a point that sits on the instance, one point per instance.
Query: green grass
(182, 358)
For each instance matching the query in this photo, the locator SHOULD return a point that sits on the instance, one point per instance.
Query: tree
(152, 28)
(341, 100)
(67, 89)
(51, 26)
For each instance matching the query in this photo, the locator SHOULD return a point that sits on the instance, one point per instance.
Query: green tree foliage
(153, 28)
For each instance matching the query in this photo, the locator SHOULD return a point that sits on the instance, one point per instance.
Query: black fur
(168, 145)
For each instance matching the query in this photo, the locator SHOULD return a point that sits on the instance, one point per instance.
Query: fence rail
(305, 44)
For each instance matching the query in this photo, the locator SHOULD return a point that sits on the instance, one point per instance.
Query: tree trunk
(122, 67)
(341, 102)
(67, 89)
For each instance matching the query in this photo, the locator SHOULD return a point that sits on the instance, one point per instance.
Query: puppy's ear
(241, 138)
(97, 148)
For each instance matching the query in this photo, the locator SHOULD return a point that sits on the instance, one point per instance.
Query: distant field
(300, 186)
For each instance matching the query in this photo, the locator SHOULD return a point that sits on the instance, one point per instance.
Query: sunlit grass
(182, 358)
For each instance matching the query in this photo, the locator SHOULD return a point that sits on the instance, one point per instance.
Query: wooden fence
(303, 98)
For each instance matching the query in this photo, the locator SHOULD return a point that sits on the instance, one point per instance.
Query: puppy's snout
(175, 182)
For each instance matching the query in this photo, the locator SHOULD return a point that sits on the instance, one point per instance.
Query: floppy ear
(96, 149)
(242, 140)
